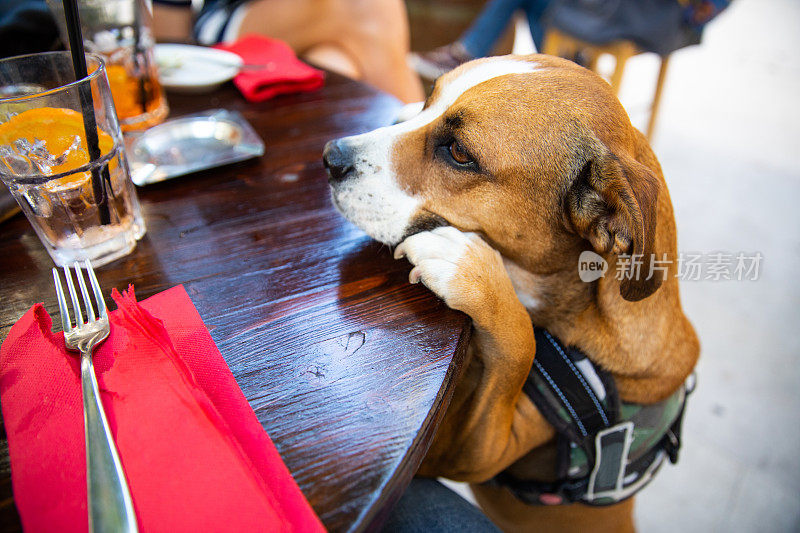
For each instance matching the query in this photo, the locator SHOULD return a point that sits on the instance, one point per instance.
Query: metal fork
(110, 505)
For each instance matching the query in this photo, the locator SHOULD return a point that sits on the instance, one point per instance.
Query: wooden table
(348, 367)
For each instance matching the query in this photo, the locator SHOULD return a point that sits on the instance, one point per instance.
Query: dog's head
(534, 153)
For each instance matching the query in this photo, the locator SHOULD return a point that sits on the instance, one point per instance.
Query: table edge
(374, 517)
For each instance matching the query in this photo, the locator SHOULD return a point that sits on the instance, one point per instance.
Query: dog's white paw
(435, 255)
(461, 268)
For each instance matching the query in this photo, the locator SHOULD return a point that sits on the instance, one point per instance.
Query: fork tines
(87, 300)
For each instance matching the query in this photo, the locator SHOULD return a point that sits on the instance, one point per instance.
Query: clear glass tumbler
(120, 31)
(75, 189)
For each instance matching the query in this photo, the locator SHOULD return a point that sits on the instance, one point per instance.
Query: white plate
(194, 69)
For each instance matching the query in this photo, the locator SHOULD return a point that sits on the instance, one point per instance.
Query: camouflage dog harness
(608, 450)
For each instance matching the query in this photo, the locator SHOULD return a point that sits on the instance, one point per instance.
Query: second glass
(120, 31)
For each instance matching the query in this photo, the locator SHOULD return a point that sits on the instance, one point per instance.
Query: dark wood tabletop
(347, 366)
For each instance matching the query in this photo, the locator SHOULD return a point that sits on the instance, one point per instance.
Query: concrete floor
(728, 139)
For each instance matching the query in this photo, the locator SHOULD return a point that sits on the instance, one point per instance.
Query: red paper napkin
(283, 73)
(195, 455)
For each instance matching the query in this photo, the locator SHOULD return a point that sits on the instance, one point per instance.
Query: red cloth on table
(283, 73)
(195, 456)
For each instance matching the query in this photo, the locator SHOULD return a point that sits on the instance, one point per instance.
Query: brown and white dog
(514, 167)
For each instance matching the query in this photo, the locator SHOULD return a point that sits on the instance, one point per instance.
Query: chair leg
(552, 42)
(616, 76)
(624, 51)
(662, 75)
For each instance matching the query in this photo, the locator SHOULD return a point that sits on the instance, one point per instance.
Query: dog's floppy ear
(612, 203)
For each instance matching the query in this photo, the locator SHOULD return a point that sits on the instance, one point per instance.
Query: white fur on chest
(526, 285)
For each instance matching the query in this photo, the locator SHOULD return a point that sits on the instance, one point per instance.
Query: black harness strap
(580, 400)
(571, 404)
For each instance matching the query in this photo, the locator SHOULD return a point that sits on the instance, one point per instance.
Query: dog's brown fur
(564, 171)
(557, 169)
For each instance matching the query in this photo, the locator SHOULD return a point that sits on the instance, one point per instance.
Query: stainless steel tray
(191, 143)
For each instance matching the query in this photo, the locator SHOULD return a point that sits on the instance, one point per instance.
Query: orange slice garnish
(63, 134)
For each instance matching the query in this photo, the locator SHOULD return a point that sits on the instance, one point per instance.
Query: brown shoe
(433, 64)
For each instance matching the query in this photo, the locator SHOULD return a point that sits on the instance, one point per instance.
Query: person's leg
(479, 39)
(333, 58)
(373, 34)
(427, 505)
(172, 23)
(377, 36)
(534, 10)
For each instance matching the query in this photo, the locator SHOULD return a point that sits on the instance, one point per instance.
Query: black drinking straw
(138, 53)
(87, 107)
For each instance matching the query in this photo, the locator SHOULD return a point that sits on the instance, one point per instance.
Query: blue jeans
(429, 507)
(484, 32)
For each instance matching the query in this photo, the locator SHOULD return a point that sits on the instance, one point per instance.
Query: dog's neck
(649, 346)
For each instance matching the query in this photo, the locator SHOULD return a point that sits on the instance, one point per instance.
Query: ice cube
(15, 163)
(40, 157)
(37, 152)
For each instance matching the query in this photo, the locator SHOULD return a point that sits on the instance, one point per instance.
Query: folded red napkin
(195, 455)
(283, 73)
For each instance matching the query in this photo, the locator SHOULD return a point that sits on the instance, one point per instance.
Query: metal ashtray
(191, 143)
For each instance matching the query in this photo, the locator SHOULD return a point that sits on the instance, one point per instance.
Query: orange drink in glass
(80, 206)
(119, 31)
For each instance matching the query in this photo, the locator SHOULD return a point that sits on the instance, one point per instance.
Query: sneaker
(431, 65)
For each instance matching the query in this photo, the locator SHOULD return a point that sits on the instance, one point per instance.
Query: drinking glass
(120, 31)
(74, 188)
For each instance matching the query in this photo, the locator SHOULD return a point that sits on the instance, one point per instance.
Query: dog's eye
(452, 153)
(458, 154)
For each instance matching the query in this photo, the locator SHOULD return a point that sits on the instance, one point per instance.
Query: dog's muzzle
(338, 160)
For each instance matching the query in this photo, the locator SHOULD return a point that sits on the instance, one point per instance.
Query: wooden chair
(558, 43)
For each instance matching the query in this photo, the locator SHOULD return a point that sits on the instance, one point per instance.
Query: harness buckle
(611, 459)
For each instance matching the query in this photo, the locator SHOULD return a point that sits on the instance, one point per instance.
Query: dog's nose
(337, 160)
